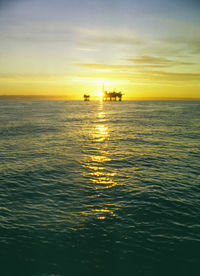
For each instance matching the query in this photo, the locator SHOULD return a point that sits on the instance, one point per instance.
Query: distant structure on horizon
(112, 95)
(86, 97)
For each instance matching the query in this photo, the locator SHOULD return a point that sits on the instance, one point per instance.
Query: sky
(63, 49)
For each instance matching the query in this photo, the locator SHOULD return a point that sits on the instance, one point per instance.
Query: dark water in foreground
(91, 188)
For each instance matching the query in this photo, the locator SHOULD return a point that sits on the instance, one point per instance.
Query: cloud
(97, 66)
(171, 76)
(33, 31)
(152, 76)
(141, 62)
(189, 44)
(149, 72)
(105, 66)
(157, 61)
(31, 77)
(108, 37)
(151, 60)
(37, 37)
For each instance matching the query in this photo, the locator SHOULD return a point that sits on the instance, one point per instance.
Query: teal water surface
(93, 188)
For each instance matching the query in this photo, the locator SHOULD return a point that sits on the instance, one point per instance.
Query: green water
(92, 188)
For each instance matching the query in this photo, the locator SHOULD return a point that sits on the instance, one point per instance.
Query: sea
(99, 188)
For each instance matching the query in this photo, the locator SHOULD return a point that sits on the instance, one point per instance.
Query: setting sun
(100, 94)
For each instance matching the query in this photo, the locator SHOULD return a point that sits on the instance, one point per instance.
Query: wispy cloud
(34, 31)
(171, 76)
(143, 77)
(105, 66)
(188, 44)
(32, 77)
(152, 60)
(141, 62)
(109, 37)
(97, 66)
(146, 72)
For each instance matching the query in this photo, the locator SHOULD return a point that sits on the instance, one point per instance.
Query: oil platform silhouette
(107, 96)
(112, 95)
(86, 97)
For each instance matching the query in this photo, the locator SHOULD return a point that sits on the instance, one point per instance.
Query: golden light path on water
(99, 174)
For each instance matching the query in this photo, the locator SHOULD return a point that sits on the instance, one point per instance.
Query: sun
(100, 94)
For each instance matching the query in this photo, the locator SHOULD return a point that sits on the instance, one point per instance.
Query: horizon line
(65, 98)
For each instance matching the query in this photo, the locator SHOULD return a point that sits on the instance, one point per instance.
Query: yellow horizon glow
(63, 87)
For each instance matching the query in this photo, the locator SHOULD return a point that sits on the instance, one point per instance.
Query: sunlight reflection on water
(96, 165)
(101, 132)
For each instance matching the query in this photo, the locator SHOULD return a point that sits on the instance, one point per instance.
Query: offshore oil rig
(112, 95)
(107, 96)
(86, 97)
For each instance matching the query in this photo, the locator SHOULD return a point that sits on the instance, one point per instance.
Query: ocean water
(93, 188)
